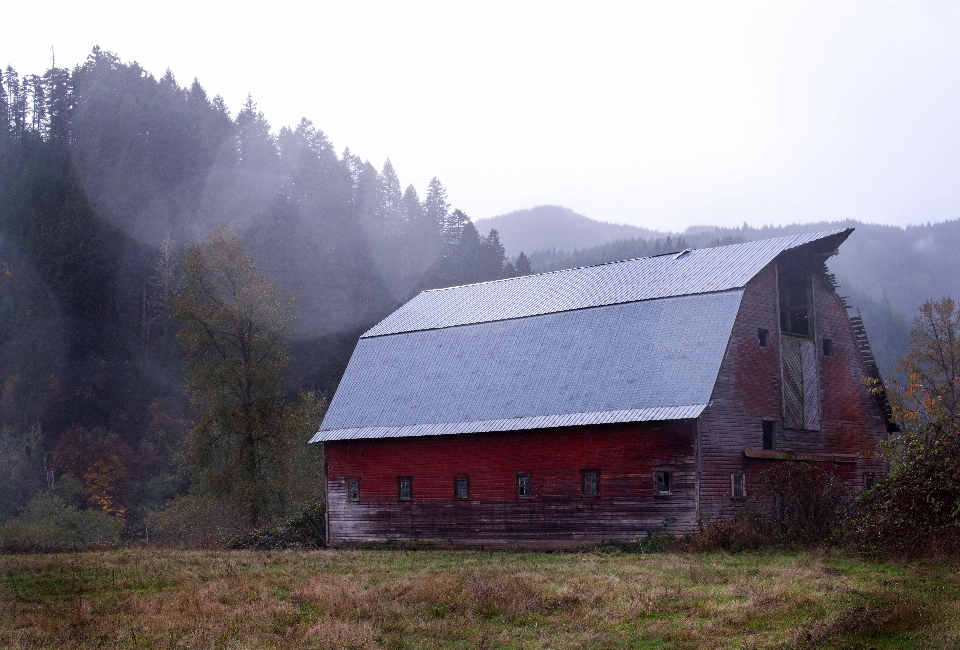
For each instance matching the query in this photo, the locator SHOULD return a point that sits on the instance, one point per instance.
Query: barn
(603, 402)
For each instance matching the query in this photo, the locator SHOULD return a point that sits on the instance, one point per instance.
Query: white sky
(658, 114)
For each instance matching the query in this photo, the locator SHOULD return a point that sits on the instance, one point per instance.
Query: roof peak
(676, 253)
(694, 271)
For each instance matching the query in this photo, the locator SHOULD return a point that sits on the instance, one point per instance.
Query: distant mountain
(886, 271)
(546, 227)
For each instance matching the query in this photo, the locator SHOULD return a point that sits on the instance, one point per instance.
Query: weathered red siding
(627, 507)
(748, 391)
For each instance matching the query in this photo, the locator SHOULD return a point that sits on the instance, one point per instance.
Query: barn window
(353, 489)
(461, 487)
(663, 482)
(762, 337)
(828, 347)
(738, 488)
(794, 301)
(590, 482)
(524, 486)
(768, 434)
(869, 481)
(405, 487)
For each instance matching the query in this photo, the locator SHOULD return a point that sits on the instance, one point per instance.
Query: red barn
(602, 402)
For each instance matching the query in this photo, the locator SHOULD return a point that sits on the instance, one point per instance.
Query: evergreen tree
(4, 108)
(522, 264)
(494, 256)
(435, 205)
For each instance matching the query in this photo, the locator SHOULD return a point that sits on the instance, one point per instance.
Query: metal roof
(648, 360)
(694, 272)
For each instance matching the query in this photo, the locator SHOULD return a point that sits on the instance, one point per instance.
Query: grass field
(466, 599)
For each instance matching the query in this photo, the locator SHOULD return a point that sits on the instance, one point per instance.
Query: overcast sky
(657, 114)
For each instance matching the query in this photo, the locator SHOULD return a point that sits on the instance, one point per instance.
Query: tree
(916, 509)
(494, 256)
(522, 264)
(236, 330)
(435, 205)
(932, 364)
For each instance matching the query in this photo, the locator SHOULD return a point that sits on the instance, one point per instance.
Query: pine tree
(435, 205)
(494, 256)
(521, 265)
(4, 108)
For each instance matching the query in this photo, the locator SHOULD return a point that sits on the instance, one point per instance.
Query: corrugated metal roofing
(655, 359)
(697, 271)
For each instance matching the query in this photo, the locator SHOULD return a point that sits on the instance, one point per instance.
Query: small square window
(767, 434)
(353, 489)
(762, 337)
(405, 487)
(828, 347)
(663, 482)
(738, 488)
(524, 486)
(461, 487)
(590, 482)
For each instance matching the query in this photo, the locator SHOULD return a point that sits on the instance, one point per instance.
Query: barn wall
(627, 507)
(748, 391)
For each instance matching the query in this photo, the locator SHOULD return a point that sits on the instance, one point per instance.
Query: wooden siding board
(627, 507)
(748, 390)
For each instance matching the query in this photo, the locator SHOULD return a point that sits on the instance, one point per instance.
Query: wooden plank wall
(748, 390)
(627, 507)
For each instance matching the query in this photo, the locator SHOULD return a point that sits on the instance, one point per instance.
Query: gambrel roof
(627, 341)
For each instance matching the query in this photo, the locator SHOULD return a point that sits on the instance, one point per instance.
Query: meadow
(145, 598)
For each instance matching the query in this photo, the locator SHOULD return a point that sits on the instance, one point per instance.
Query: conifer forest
(108, 174)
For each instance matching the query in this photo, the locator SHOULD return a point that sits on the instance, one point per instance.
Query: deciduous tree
(236, 329)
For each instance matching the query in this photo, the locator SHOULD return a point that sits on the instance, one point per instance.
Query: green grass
(468, 599)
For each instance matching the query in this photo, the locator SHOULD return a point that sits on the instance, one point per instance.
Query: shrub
(795, 504)
(803, 503)
(743, 531)
(47, 524)
(916, 509)
(194, 521)
(306, 529)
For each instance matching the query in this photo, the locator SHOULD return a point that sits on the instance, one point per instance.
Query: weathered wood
(748, 391)
(627, 506)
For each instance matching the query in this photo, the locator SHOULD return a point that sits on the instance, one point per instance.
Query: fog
(661, 115)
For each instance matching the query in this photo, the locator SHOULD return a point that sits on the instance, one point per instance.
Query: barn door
(801, 384)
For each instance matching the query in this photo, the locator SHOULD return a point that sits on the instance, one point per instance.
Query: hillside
(546, 227)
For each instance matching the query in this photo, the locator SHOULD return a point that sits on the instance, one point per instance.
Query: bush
(915, 511)
(795, 504)
(803, 503)
(306, 529)
(744, 531)
(193, 521)
(47, 524)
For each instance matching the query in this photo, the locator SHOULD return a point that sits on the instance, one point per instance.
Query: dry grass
(446, 599)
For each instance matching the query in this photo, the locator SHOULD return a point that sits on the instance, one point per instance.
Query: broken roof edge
(651, 414)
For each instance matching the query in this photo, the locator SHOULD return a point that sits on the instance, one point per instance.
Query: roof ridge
(635, 259)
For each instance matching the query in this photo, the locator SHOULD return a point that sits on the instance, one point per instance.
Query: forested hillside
(546, 227)
(107, 174)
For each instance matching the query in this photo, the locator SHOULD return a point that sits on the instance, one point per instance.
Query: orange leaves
(102, 461)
